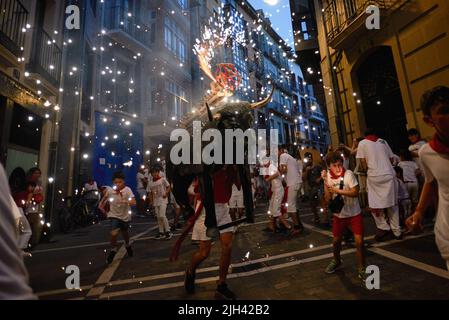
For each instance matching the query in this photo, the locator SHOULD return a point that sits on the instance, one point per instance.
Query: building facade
(375, 78)
(31, 44)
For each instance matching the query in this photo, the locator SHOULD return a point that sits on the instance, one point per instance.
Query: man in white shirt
(435, 163)
(376, 158)
(142, 182)
(13, 274)
(289, 169)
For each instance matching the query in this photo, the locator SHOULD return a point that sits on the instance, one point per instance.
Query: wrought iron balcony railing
(13, 18)
(339, 14)
(46, 58)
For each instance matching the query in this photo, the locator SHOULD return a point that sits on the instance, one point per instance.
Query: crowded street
(224, 150)
(264, 267)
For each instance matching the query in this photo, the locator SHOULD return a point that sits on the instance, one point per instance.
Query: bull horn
(264, 102)
(209, 113)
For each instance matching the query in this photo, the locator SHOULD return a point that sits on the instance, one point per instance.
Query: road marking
(326, 233)
(107, 274)
(412, 263)
(60, 291)
(212, 279)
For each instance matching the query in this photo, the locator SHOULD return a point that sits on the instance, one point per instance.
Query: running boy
(120, 198)
(349, 216)
(435, 162)
(158, 193)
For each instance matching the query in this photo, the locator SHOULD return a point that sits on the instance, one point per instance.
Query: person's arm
(167, 191)
(363, 165)
(426, 201)
(283, 169)
(327, 193)
(351, 193)
(272, 177)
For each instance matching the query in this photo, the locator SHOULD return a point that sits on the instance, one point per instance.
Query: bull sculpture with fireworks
(217, 113)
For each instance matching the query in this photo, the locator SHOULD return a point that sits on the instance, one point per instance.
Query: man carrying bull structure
(222, 181)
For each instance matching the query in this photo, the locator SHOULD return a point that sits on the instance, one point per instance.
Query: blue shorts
(119, 224)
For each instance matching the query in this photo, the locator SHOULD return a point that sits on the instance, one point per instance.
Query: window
(304, 26)
(182, 4)
(177, 101)
(175, 39)
(93, 4)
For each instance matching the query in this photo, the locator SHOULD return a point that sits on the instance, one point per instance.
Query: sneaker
(173, 228)
(189, 282)
(381, 235)
(111, 256)
(223, 293)
(26, 254)
(168, 236)
(130, 251)
(332, 267)
(399, 237)
(159, 236)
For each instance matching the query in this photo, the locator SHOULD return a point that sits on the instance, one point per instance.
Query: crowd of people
(398, 191)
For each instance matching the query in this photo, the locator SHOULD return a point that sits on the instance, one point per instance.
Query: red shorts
(340, 224)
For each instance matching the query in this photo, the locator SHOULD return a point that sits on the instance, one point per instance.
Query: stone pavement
(263, 266)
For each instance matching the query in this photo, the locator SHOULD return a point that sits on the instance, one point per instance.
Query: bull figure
(222, 116)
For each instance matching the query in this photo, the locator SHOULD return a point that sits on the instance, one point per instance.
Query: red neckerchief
(372, 137)
(438, 145)
(156, 179)
(119, 191)
(337, 177)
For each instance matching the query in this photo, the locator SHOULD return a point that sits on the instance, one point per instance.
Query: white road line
(61, 291)
(107, 274)
(412, 263)
(326, 233)
(212, 279)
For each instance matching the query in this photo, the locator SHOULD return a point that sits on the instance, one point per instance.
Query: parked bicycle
(79, 211)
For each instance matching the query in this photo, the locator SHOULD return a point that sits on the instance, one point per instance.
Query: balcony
(46, 58)
(13, 18)
(127, 30)
(345, 19)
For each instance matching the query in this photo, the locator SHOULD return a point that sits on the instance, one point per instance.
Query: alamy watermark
(372, 281)
(189, 150)
(373, 20)
(72, 282)
(72, 22)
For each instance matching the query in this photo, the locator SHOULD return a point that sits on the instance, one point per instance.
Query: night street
(138, 138)
(277, 268)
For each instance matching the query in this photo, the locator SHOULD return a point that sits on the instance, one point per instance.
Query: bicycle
(78, 212)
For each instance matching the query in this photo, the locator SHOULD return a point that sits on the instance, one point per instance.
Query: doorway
(382, 99)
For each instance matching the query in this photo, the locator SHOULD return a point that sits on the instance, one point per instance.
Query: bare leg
(200, 255)
(337, 249)
(225, 260)
(360, 251)
(125, 235)
(113, 238)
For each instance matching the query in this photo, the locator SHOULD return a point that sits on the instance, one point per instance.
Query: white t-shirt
(300, 167)
(91, 190)
(292, 178)
(409, 168)
(158, 189)
(352, 206)
(436, 167)
(402, 190)
(276, 183)
(415, 148)
(140, 178)
(377, 155)
(118, 201)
